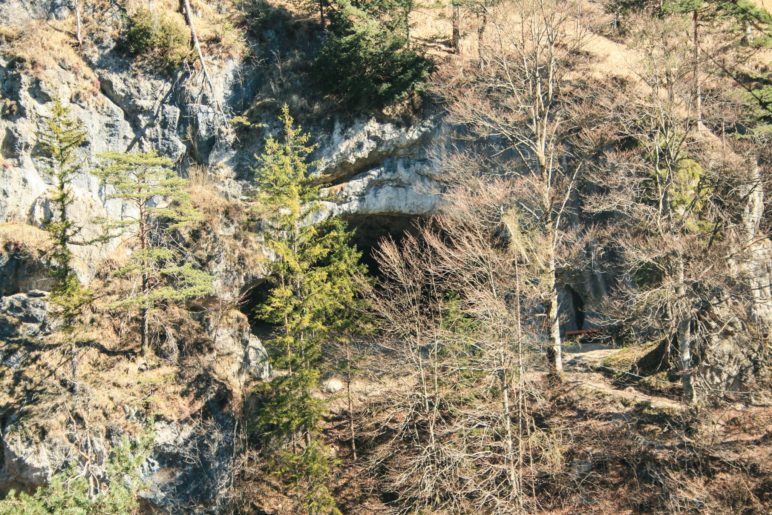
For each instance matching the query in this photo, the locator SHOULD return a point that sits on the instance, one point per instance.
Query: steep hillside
(493, 256)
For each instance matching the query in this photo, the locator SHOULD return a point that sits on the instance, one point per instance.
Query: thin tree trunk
(520, 384)
(78, 31)
(74, 367)
(321, 13)
(143, 312)
(145, 329)
(684, 335)
(185, 6)
(554, 353)
(483, 19)
(425, 393)
(697, 85)
(747, 33)
(350, 400)
(507, 413)
(456, 38)
(685, 348)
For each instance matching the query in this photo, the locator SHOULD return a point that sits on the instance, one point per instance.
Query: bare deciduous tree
(452, 303)
(517, 102)
(676, 202)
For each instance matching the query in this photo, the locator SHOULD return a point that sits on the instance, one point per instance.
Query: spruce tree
(162, 204)
(60, 139)
(313, 276)
(742, 12)
(366, 61)
(70, 491)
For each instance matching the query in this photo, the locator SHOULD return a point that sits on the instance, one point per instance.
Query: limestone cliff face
(379, 167)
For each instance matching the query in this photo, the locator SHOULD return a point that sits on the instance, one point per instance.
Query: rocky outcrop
(239, 354)
(29, 459)
(125, 111)
(20, 271)
(192, 458)
(375, 168)
(24, 181)
(378, 167)
(22, 315)
(21, 10)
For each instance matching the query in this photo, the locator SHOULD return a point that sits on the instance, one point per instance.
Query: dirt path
(582, 370)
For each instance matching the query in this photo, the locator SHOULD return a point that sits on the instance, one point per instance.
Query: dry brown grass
(46, 49)
(623, 359)
(216, 25)
(204, 194)
(25, 236)
(645, 459)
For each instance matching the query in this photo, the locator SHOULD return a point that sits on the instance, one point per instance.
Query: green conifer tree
(742, 12)
(314, 274)
(68, 492)
(366, 61)
(161, 201)
(60, 139)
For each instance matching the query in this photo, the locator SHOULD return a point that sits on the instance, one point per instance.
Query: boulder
(332, 385)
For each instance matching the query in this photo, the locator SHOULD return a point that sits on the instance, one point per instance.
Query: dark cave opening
(370, 230)
(252, 297)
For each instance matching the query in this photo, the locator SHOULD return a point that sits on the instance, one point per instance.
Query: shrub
(69, 491)
(365, 65)
(161, 40)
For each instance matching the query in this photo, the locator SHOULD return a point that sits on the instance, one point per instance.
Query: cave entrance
(571, 310)
(252, 297)
(369, 230)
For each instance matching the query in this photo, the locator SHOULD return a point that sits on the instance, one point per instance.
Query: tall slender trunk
(456, 20)
(507, 414)
(684, 335)
(483, 23)
(350, 401)
(520, 385)
(143, 312)
(425, 393)
(63, 270)
(74, 366)
(78, 27)
(697, 85)
(321, 13)
(747, 33)
(555, 351)
(188, 14)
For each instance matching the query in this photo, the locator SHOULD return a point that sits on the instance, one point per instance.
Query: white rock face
(332, 385)
(385, 169)
(380, 167)
(25, 181)
(397, 187)
(364, 142)
(30, 461)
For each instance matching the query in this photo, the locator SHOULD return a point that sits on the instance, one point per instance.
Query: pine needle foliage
(366, 64)
(70, 491)
(314, 283)
(60, 139)
(161, 204)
